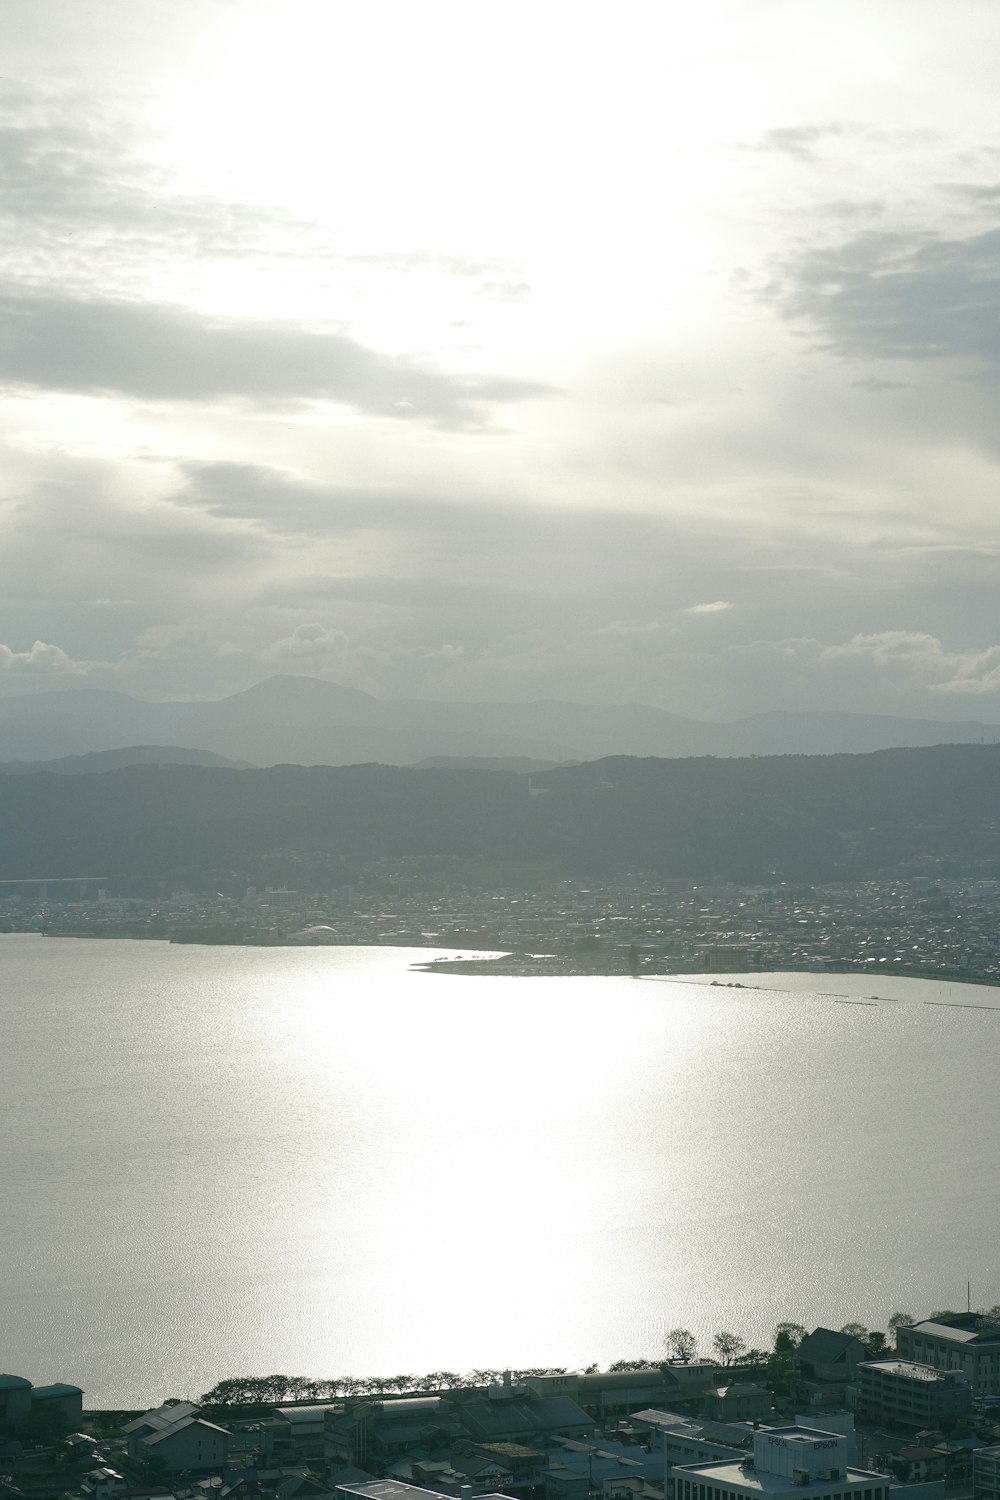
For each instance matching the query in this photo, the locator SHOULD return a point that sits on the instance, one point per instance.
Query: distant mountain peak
(284, 687)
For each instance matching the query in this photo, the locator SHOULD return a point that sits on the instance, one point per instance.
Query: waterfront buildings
(904, 1394)
(799, 1462)
(969, 1342)
(20, 1401)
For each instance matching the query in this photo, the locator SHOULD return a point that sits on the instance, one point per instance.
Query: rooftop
(759, 1482)
(906, 1367)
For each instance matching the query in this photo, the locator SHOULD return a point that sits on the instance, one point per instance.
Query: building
(739, 1402)
(685, 1440)
(968, 1342)
(905, 1394)
(191, 1443)
(157, 1420)
(15, 1398)
(178, 1437)
(64, 1402)
(826, 1361)
(395, 1489)
(20, 1401)
(986, 1474)
(103, 1484)
(801, 1463)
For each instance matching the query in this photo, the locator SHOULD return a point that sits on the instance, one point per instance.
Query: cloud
(975, 672)
(311, 640)
(873, 384)
(897, 295)
(714, 607)
(164, 353)
(43, 660)
(906, 658)
(802, 142)
(629, 627)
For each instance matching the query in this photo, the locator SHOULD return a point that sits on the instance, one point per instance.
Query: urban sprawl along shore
(848, 1414)
(940, 927)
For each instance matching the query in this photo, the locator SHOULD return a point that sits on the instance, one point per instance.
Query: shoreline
(531, 966)
(513, 965)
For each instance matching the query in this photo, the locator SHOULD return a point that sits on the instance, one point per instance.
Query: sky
(645, 352)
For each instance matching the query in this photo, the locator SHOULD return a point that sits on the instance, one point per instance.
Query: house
(191, 1443)
(826, 1361)
(915, 1464)
(740, 1402)
(304, 1428)
(179, 1437)
(157, 1420)
(103, 1484)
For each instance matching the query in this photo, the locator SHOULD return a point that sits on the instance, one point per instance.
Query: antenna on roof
(968, 1296)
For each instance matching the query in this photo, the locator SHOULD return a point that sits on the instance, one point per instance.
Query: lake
(219, 1161)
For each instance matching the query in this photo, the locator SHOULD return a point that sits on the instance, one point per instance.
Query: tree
(682, 1345)
(755, 1357)
(856, 1331)
(897, 1321)
(729, 1347)
(876, 1345)
(781, 1371)
(788, 1336)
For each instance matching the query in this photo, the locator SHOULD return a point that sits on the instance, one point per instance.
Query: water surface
(220, 1161)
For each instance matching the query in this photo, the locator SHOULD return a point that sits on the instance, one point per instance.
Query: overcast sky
(465, 350)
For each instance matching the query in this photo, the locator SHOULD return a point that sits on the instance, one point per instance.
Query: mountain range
(309, 721)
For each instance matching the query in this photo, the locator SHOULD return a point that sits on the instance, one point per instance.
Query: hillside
(765, 819)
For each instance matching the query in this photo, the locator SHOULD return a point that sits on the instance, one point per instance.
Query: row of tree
(727, 1349)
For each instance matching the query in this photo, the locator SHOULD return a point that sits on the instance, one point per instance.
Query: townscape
(940, 927)
(849, 1414)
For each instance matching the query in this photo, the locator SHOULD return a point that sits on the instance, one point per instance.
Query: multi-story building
(968, 1342)
(986, 1474)
(801, 1463)
(15, 1398)
(906, 1394)
(20, 1400)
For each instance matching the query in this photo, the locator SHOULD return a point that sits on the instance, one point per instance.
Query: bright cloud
(391, 383)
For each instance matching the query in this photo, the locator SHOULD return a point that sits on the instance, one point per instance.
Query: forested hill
(934, 810)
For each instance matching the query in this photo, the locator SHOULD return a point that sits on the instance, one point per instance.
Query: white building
(801, 1463)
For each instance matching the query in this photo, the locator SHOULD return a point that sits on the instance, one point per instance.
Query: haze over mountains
(309, 721)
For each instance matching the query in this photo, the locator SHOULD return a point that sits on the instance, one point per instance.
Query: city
(824, 1415)
(934, 927)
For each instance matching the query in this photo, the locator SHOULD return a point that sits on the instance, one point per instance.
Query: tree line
(727, 1349)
